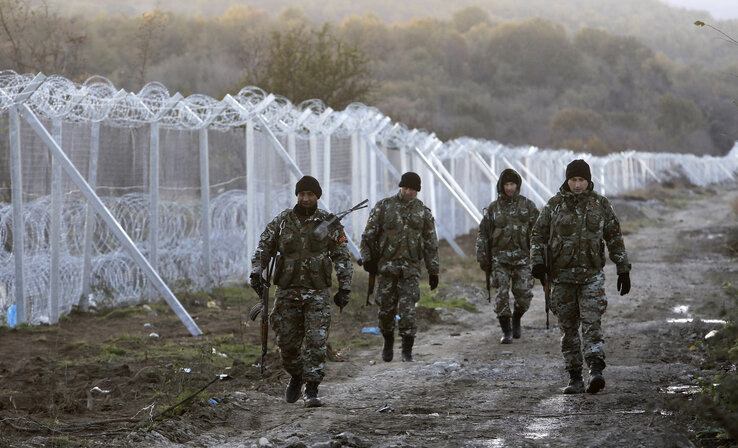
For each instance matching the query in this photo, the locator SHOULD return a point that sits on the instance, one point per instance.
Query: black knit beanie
(578, 168)
(308, 183)
(410, 180)
(509, 176)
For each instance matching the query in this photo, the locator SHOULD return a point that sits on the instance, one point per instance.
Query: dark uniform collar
(302, 212)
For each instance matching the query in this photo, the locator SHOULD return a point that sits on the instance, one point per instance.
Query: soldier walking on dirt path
(503, 248)
(301, 315)
(403, 232)
(578, 223)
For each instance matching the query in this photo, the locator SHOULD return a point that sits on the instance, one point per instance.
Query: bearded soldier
(399, 237)
(302, 314)
(578, 223)
(503, 248)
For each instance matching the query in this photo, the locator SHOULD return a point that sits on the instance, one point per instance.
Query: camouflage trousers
(582, 305)
(302, 317)
(397, 295)
(520, 280)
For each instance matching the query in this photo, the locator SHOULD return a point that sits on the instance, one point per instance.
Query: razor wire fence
(192, 181)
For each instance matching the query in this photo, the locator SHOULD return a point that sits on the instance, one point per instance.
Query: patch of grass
(122, 313)
(77, 345)
(242, 351)
(631, 227)
(181, 408)
(126, 338)
(225, 296)
(429, 299)
(718, 404)
(109, 351)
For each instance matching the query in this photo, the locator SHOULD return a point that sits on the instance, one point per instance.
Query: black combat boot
(576, 383)
(389, 340)
(596, 380)
(293, 389)
(507, 335)
(516, 330)
(407, 348)
(311, 395)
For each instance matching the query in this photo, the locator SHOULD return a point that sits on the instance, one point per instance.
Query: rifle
(373, 257)
(490, 242)
(262, 307)
(331, 220)
(546, 281)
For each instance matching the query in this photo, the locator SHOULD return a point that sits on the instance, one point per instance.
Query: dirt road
(467, 390)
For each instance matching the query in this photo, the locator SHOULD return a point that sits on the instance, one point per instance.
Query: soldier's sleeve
(540, 234)
(430, 244)
(267, 246)
(613, 237)
(483, 236)
(339, 254)
(534, 213)
(371, 231)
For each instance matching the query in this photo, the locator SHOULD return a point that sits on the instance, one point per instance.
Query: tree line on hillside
(662, 27)
(517, 82)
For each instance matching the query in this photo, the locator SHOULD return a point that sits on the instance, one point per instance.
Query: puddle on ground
(643, 411)
(689, 319)
(682, 389)
(492, 443)
(681, 309)
(543, 427)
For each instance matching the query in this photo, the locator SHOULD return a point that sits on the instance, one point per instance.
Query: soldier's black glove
(624, 283)
(255, 280)
(370, 266)
(483, 265)
(539, 271)
(341, 298)
(433, 281)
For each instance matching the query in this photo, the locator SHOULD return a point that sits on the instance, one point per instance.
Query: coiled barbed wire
(116, 279)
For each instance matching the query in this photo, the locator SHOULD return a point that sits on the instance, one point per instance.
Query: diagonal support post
(109, 219)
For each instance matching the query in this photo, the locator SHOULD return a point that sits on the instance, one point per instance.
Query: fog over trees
(604, 78)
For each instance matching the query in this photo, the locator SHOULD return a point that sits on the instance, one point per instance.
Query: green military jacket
(304, 262)
(505, 230)
(404, 233)
(578, 227)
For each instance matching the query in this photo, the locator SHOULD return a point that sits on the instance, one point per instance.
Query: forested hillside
(616, 76)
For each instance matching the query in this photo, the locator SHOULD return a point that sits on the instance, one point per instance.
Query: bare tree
(152, 26)
(34, 38)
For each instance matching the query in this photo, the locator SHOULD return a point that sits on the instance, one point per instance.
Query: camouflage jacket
(578, 228)
(304, 262)
(506, 228)
(404, 233)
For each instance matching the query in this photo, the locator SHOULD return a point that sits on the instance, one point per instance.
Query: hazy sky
(719, 9)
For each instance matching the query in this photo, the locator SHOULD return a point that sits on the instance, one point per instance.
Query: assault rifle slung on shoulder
(332, 220)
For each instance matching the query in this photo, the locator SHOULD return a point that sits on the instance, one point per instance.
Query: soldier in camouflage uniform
(399, 237)
(503, 248)
(302, 313)
(578, 223)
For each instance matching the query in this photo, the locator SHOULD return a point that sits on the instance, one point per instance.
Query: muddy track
(465, 389)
